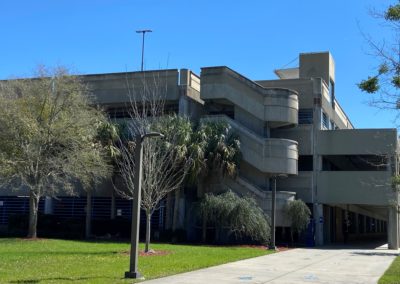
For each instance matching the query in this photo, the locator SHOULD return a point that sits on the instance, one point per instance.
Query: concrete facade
(292, 129)
(342, 171)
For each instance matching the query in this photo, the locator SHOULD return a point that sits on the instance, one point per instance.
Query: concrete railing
(277, 106)
(194, 81)
(325, 92)
(269, 155)
(114, 88)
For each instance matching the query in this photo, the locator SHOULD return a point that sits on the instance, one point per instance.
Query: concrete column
(393, 229)
(339, 224)
(365, 224)
(181, 216)
(266, 131)
(184, 77)
(48, 205)
(183, 106)
(327, 225)
(319, 226)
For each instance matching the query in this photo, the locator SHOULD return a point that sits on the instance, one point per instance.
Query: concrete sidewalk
(322, 265)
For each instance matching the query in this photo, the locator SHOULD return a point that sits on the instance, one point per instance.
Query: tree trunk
(201, 193)
(176, 210)
(148, 229)
(204, 229)
(168, 221)
(113, 209)
(33, 215)
(88, 228)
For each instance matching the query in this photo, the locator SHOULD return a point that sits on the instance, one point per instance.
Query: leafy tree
(241, 215)
(47, 137)
(299, 215)
(385, 82)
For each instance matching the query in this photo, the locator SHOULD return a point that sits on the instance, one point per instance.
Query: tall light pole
(273, 209)
(133, 265)
(273, 212)
(143, 32)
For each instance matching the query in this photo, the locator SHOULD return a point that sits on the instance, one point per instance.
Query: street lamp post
(273, 209)
(143, 32)
(273, 212)
(133, 265)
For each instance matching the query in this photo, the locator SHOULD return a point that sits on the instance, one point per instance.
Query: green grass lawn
(61, 261)
(392, 275)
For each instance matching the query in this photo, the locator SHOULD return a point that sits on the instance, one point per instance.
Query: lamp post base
(135, 275)
(273, 248)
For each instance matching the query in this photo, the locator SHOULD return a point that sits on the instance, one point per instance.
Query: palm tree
(214, 150)
(178, 132)
(107, 133)
(165, 163)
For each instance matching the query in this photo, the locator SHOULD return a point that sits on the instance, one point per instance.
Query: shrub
(241, 215)
(299, 215)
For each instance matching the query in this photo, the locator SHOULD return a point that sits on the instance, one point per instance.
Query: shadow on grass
(72, 279)
(55, 253)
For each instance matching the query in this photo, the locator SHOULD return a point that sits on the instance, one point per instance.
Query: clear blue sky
(252, 37)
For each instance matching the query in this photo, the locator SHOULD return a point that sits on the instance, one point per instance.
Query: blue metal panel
(15, 205)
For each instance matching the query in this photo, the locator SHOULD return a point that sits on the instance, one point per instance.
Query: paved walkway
(322, 265)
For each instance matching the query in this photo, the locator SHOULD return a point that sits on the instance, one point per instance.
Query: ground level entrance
(354, 223)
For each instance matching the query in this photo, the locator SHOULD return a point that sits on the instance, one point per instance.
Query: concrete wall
(304, 87)
(319, 64)
(249, 121)
(302, 134)
(121, 88)
(315, 71)
(357, 142)
(279, 107)
(268, 155)
(351, 187)
(300, 184)
(251, 173)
